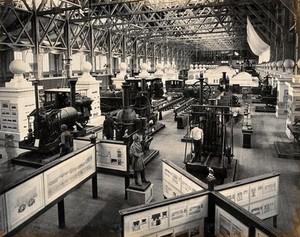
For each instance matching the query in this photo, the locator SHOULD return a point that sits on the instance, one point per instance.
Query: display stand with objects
(283, 94)
(247, 129)
(182, 121)
(247, 136)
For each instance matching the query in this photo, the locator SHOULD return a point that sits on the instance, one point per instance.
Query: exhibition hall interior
(150, 118)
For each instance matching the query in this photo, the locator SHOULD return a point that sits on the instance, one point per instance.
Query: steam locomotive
(44, 123)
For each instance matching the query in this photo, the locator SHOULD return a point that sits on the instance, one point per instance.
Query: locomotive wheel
(206, 90)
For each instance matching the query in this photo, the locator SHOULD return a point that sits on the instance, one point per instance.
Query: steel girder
(216, 17)
(207, 25)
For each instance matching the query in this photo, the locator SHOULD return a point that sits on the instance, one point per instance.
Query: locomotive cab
(61, 98)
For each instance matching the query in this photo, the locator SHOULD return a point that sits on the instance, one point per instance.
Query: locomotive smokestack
(201, 88)
(72, 83)
(143, 84)
(224, 76)
(125, 88)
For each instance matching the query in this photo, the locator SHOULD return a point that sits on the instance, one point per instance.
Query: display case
(247, 129)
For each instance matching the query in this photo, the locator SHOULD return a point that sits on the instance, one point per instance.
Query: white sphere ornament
(288, 63)
(86, 67)
(144, 66)
(123, 66)
(279, 64)
(17, 66)
(273, 64)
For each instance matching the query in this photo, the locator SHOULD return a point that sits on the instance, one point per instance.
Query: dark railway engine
(137, 116)
(44, 123)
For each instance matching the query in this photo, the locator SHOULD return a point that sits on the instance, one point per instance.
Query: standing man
(197, 136)
(65, 140)
(108, 127)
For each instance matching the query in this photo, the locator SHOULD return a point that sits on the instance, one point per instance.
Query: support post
(275, 221)
(61, 214)
(93, 139)
(95, 186)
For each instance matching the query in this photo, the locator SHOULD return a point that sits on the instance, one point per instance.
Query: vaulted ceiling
(199, 25)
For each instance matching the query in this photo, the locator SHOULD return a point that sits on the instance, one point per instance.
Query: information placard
(226, 225)
(170, 191)
(111, 156)
(166, 219)
(147, 222)
(239, 195)
(258, 197)
(23, 201)
(176, 183)
(172, 176)
(64, 176)
(194, 229)
(188, 186)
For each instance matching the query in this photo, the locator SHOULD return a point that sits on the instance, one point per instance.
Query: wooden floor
(99, 217)
(263, 158)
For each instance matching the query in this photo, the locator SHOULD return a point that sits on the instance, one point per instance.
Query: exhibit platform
(287, 150)
(138, 195)
(32, 159)
(149, 155)
(155, 129)
(223, 171)
(265, 109)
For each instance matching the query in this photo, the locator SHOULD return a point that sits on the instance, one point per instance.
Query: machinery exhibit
(185, 114)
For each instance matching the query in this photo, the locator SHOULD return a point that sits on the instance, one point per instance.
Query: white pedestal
(15, 106)
(90, 88)
(136, 197)
(281, 112)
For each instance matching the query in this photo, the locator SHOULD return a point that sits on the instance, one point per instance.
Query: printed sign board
(168, 218)
(24, 201)
(111, 156)
(175, 183)
(64, 176)
(258, 197)
(226, 225)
